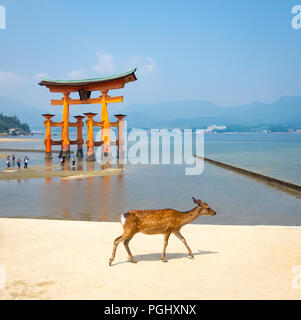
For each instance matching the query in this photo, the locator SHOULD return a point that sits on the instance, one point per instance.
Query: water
(275, 155)
(236, 198)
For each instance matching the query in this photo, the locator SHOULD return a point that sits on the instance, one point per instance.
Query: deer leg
(166, 237)
(179, 236)
(116, 243)
(126, 245)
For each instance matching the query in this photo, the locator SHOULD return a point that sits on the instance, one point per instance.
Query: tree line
(12, 125)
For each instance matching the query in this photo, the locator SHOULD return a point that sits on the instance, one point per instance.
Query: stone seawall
(256, 175)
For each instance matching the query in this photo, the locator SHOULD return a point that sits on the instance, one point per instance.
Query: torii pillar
(105, 132)
(65, 128)
(90, 141)
(120, 141)
(80, 141)
(47, 141)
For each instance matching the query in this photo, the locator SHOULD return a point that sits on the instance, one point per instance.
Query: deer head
(204, 209)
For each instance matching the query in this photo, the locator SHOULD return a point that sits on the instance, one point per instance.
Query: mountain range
(285, 111)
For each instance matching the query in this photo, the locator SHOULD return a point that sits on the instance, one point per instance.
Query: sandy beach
(46, 259)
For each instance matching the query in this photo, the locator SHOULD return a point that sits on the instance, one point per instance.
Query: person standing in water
(25, 162)
(8, 162)
(19, 163)
(73, 163)
(14, 158)
(62, 162)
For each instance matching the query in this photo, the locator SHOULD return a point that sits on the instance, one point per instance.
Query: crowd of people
(11, 160)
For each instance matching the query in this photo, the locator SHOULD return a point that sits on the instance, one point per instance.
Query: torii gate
(85, 88)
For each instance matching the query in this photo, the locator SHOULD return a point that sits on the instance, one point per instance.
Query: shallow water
(236, 198)
(275, 155)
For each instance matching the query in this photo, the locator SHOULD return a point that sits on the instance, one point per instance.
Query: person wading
(8, 162)
(19, 163)
(62, 162)
(73, 163)
(26, 162)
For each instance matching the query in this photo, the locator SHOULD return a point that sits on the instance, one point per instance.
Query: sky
(227, 52)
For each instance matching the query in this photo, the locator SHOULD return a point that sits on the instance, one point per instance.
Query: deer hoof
(191, 255)
(164, 260)
(110, 262)
(133, 261)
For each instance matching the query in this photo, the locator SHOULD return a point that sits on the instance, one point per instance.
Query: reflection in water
(79, 164)
(149, 187)
(66, 165)
(105, 166)
(106, 198)
(90, 165)
(92, 198)
(105, 189)
(103, 217)
(65, 214)
(48, 164)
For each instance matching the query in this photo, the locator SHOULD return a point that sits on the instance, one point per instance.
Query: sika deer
(165, 221)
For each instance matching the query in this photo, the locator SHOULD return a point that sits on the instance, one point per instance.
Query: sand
(18, 139)
(54, 172)
(3, 155)
(48, 259)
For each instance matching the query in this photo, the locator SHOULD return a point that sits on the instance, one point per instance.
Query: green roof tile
(45, 81)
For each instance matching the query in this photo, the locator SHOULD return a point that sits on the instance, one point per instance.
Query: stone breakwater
(261, 177)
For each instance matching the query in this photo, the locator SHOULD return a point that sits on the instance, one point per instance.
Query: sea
(237, 199)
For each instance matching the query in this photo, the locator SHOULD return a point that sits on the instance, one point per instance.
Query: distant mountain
(284, 111)
(25, 113)
(177, 109)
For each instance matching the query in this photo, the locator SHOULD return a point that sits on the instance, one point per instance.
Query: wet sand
(19, 139)
(69, 260)
(54, 172)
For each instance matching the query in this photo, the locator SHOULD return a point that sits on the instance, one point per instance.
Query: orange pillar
(105, 133)
(90, 141)
(120, 144)
(65, 127)
(80, 140)
(47, 142)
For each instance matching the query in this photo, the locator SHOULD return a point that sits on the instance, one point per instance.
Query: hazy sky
(226, 52)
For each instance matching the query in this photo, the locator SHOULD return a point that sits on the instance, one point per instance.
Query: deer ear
(194, 200)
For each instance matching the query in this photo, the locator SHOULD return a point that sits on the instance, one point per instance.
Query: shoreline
(54, 259)
(18, 139)
(36, 172)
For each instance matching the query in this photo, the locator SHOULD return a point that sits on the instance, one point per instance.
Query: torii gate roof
(107, 83)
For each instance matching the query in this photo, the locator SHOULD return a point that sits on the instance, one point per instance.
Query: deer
(161, 221)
